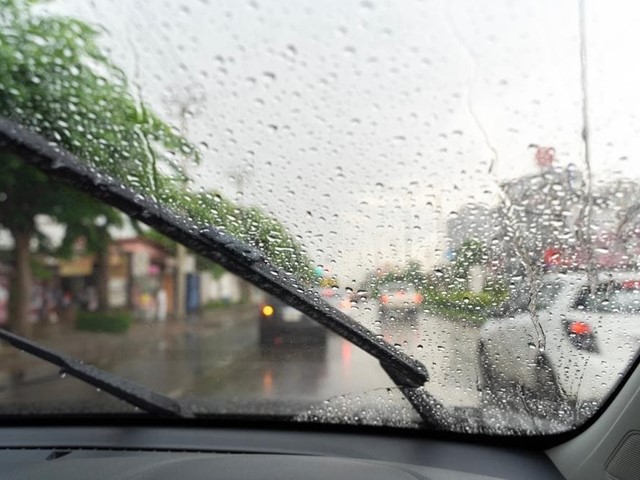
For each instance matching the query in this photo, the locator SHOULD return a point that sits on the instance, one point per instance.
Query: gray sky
(359, 124)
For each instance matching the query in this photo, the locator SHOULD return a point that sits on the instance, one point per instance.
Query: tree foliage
(56, 80)
(251, 225)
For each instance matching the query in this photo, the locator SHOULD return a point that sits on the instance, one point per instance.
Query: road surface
(221, 360)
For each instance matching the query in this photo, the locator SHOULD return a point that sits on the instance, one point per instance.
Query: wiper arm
(126, 390)
(237, 257)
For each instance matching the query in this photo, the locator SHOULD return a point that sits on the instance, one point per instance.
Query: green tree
(249, 224)
(56, 81)
(20, 205)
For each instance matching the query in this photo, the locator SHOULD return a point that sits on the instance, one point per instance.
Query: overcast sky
(364, 125)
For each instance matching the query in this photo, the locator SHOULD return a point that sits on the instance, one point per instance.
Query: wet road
(223, 361)
(447, 348)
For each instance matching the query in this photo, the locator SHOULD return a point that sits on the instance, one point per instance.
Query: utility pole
(586, 139)
(186, 103)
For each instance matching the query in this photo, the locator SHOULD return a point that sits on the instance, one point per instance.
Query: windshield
(449, 176)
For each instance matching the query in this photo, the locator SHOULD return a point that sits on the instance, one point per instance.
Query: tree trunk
(20, 294)
(245, 291)
(101, 276)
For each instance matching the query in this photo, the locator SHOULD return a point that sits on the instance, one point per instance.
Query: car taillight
(268, 310)
(581, 335)
(384, 298)
(631, 284)
(579, 328)
(417, 298)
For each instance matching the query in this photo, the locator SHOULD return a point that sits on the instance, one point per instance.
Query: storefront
(149, 285)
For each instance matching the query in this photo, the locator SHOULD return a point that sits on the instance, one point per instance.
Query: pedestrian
(146, 305)
(91, 298)
(161, 305)
(67, 299)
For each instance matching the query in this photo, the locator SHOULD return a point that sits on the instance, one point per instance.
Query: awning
(76, 267)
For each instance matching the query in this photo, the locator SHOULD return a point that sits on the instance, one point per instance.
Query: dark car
(281, 325)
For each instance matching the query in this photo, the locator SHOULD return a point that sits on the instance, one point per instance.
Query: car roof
(601, 276)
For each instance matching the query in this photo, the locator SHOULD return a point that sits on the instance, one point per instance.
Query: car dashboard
(109, 453)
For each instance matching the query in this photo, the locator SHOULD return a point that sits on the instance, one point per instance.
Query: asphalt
(108, 349)
(216, 359)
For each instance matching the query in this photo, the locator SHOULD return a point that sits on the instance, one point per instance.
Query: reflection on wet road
(447, 348)
(295, 372)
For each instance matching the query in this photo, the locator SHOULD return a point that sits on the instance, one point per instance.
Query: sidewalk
(103, 349)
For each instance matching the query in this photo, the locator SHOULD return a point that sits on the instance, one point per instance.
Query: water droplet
(269, 76)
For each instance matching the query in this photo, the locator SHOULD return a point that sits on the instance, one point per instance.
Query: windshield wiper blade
(130, 392)
(243, 260)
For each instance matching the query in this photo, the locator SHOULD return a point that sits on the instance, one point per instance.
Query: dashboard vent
(624, 464)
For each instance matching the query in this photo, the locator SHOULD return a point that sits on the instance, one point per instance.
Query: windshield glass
(449, 175)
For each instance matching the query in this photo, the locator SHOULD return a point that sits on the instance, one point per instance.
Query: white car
(399, 299)
(574, 342)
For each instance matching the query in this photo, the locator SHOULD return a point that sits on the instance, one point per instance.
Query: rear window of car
(543, 299)
(610, 297)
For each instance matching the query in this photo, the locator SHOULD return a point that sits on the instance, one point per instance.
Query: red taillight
(579, 328)
(417, 298)
(581, 336)
(631, 285)
(552, 257)
(384, 298)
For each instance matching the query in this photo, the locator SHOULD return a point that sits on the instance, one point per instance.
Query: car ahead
(281, 324)
(398, 299)
(573, 341)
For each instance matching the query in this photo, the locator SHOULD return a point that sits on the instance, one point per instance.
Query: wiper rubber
(126, 390)
(234, 255)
